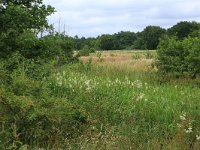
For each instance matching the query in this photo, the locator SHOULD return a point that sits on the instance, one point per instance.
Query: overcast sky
(91, 18)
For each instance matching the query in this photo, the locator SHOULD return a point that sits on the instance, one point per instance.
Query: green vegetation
(50, 100)
(147, 39)
(85, 51)
(19, 20)
(85, 106)
(179, 57)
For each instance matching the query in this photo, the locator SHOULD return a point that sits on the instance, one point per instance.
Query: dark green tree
(139, 43)
(183, 29)
(106, 42)
(18, 17)
(151, 36)
(124, 39)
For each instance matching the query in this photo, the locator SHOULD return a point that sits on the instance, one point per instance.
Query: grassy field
(133, 60)
(130, 106)
(108, 101)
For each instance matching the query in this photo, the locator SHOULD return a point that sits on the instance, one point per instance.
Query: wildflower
(189, 130)
(179, 125)
(141, 96)
(138, 83)
(117, 81)
(198, 137)
(183, 117)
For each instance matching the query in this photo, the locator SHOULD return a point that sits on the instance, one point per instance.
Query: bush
(18, 66)
(41, 123)
(85, 51)
(149, 55)
(29, 115)
(52, 47)
(192, 45)
(179, 57)
(58, 47)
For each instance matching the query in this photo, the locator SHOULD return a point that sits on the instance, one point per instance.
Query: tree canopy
(18, 17)
(183, 29)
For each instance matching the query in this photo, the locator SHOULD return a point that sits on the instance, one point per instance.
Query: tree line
(146, 39)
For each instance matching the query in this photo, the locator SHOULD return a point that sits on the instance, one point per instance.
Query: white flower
(189, 130)
(183, 117)
(138, 83)
(179, 125)
(197, 137)
(140, 96)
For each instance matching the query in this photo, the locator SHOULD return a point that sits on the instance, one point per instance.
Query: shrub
(149, 55)
(52, 47)
(17, 65)
(57, 48)
(41, 123)
(136, 56)
(192, 45)
(179, 57)
(85, 51)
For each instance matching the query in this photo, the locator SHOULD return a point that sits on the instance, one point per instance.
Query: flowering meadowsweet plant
(183, 117)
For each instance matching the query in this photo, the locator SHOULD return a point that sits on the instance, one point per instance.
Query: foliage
(18, 17)
(139, 43)
(124, 39)
(29, 115)
(179, 57)
(183, 29)
(57, 47)
(146, 39)
(85, 51)
(192, 45)
(151, 36)
(107, 42)
(117, 41)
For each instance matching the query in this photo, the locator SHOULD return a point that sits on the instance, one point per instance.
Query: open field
(139, 60)
(133, 107)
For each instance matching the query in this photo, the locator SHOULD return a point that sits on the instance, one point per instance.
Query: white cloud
(95, 17)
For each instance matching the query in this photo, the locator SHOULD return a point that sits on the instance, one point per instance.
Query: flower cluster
(189, 129)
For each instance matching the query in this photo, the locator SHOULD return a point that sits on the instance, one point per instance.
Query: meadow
(109, 100)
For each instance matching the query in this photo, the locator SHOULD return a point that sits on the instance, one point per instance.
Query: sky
(90, 18)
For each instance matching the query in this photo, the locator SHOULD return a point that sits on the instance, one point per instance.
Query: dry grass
(132, 61)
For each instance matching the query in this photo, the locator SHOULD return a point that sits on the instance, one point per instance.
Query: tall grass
(135, 110)
(86, 106)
